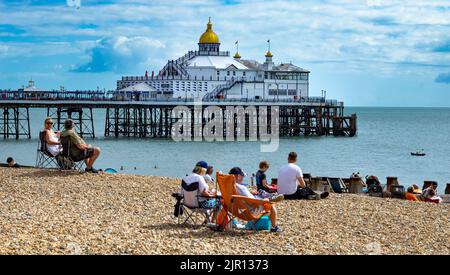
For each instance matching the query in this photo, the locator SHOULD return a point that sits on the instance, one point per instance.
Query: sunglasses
(49, 123)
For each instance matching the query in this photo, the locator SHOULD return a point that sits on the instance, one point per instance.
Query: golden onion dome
(237, 56)
(209, 36)
(269, 54)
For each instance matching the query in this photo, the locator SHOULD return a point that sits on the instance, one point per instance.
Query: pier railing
(8, 95)
(153, 117)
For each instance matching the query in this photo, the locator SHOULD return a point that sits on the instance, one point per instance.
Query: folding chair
(44, 159)
(374, 187)
(337, 185)
(192, 214)
(235, 206)
(69, 161)
(397, 191)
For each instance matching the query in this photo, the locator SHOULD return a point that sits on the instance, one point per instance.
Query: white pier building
(211, 74)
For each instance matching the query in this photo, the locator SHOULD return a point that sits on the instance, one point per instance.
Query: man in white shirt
(291, 183)
(244, 191)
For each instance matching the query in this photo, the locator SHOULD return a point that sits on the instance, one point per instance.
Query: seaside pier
(155, 119)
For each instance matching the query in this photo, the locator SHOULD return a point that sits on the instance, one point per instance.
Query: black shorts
(300, 194)
(80, 155)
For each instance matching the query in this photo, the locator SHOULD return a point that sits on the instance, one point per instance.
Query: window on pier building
(292, 92)
(218, 73)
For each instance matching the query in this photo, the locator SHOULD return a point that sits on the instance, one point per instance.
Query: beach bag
(263, 224)
(178, 211)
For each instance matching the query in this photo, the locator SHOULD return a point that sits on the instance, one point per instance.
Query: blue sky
(365, 52)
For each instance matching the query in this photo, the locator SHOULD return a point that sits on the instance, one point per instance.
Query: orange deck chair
(235, 206)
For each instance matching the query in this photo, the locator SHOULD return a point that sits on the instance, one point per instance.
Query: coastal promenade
(51, 212)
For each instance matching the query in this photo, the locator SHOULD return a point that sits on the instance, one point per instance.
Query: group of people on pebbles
(290, 186)
(78, 149)
(429, 194)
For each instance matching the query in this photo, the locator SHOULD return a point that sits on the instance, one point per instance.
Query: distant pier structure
(143, 106)
(154, 118)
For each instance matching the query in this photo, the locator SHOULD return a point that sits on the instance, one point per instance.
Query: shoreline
(53, 212)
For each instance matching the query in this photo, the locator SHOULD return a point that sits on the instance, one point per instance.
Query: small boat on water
(420, 153)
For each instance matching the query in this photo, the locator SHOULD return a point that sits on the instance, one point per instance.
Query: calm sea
(386, 137)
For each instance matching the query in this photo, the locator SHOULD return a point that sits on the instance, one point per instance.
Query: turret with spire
(237, 56)
(209, 41)
(269, 63)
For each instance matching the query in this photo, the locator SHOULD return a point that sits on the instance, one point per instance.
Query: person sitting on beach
(242, 190)
(12, 163)
(52, 138)
(410, 196)
(261, 178)
(433, 197)
(80, 150)
(416, 189)
(208, 175)
(418, 192)
(427, 192)
(291, 183)
(202, 197)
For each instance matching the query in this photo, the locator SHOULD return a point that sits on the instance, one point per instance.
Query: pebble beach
(53, 212)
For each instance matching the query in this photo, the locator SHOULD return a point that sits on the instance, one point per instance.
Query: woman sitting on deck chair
(195, 195)
(52, 139)
(201, 197)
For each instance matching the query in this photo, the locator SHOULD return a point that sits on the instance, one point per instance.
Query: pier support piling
(83, 118)
(15, 122)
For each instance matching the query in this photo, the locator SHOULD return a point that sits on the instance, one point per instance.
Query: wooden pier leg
(128, 122)
(58, 118)
(106, 134)
(116, 122)
(2, 127)
(145, 122)
(160, 131)
(92, 122)
(80, 119)
(6, 114)
(16, 122)
(28, 123)
(166, 121)
(140, 128)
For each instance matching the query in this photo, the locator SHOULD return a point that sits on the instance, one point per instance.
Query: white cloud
(120, 53)
(371, 35)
